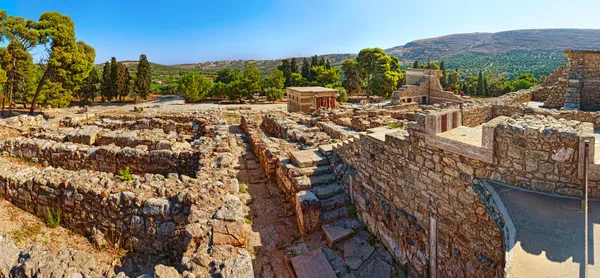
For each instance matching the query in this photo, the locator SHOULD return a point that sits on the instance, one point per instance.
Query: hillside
(536, 51)
(265, 66)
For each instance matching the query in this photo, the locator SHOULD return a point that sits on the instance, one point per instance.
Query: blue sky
(172, 32)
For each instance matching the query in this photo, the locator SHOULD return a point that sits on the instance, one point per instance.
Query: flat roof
(312, 89)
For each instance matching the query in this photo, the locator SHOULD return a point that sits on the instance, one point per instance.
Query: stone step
(326, 149)
(334, 215)
(308, 171)
(341, 229)
(312, 264)
(304, 182)
(327, 191)
(308, 158)
(334, 202)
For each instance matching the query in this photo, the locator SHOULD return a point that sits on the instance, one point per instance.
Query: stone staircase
(349, 249)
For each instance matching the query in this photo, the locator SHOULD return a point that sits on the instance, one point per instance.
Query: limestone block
(308, 212)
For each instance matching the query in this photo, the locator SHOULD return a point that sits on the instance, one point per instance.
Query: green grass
(126, 174)
(54, 217)
(243, 188)
(28, 231)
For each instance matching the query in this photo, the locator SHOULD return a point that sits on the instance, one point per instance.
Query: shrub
(243, 188)
(274, 94)
(126, 174)
(343, 97)
(393, 125)
(53, 218)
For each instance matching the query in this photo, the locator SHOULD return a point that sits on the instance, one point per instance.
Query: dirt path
(273, 225)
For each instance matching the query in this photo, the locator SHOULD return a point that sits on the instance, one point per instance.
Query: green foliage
(305, 68)
(480, 86)
(227, 76)
(416, 65)
(286, 71)
(274, 94)
(453, 81)
(89, 89)
(194, 87)
(53, 217)
(143, 77)
(277, 79)
(444, 79)
(126, 174)
(105, 85)
(243, 187)
(324, 76)
(343, 95)
(352, 82)
(375, 67)
(393, 125)
(113, 90)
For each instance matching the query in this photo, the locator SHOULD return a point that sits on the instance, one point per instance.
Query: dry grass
(26, 229)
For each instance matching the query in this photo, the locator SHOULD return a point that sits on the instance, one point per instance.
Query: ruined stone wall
(590, 91)
(264, 148)
(110, 158)
(553, 96)
(23, 121)
(95, 204)
(476, 114)
(403, 181)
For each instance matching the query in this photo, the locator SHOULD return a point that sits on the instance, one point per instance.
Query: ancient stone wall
(590, 90)
(476, 114)
(110, 158)
(264, 148)
(23, 121)
(98, 205)
(405, 181)
(400, 183)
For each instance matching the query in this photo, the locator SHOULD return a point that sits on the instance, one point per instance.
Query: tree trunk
(39, 89)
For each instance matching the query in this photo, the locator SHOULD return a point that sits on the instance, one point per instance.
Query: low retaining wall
(99, 206)
(264, 148)
(111, 159)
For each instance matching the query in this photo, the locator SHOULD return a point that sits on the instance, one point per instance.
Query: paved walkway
(550, 234)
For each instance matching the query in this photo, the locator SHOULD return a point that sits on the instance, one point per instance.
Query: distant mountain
(536, 51)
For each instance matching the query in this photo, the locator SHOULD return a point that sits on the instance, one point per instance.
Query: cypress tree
(293, 66)
(105, 85)
(143, 77)
(314, 62)
(480, 88)
(485, 86)
(286, 68)
(416, 64)
(113, 90)
(327, 65)
(322, 61)
(305, 68)
(444, 80)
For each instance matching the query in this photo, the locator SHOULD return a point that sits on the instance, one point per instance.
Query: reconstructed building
(578, 84)
(303, 99)
(421, 85)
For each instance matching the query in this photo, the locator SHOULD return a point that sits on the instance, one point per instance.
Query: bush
(126, 174)
(343, 97)
(274, 94)
(53, 219)
(393, 125)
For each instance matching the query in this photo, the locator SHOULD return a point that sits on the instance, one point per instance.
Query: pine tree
(113, 90)
(480, 87)
(105, 85)
(143, 77)
(305, 68)
(293, 66)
